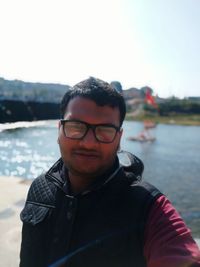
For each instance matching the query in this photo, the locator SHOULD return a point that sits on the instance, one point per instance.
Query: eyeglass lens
(77, 130)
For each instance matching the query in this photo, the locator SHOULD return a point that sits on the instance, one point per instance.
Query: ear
(119, 139)
(59, 124)
(121, 132)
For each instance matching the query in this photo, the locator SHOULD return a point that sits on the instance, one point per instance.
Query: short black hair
(102, 93)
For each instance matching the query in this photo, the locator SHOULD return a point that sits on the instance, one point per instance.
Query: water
(172, 162)
(28, 151)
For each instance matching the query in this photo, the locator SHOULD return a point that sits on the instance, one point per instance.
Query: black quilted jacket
(101, 227)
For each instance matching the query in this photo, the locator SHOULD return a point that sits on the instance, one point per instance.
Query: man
(89, 209)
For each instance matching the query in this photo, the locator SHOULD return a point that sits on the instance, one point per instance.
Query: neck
(79, 183)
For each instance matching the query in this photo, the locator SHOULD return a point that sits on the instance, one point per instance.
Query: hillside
(27, 91)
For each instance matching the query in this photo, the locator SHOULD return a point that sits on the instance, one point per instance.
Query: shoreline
(175, 119)
(13, 191)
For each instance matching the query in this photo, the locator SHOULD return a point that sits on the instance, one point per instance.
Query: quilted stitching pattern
(33, 214)
(42, 191)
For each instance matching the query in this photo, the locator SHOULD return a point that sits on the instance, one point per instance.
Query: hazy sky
(136, 42)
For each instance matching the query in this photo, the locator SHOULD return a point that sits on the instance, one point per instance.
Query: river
(172, 162)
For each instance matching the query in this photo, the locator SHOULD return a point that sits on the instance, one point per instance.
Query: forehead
(87, 110)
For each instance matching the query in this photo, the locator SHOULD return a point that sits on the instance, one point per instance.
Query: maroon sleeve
(168, 241)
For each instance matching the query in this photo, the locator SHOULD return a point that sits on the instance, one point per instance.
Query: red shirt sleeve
(168, 241)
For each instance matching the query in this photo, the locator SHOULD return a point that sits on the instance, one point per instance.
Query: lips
(87, 154)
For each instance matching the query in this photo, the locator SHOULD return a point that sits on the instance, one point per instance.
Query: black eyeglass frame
(93, 127)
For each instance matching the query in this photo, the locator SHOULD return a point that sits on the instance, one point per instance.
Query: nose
(89, 141)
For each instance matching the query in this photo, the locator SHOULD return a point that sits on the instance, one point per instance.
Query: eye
(105, 133)
(74, 129)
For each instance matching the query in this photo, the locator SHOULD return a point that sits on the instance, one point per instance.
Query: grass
(186, 119)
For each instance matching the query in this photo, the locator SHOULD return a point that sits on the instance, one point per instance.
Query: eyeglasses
(104, 133)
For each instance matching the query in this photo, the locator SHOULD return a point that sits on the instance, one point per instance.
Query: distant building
(132, 93)
(117, 86)
(194, 98)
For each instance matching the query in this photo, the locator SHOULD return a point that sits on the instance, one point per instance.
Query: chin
(87, 172)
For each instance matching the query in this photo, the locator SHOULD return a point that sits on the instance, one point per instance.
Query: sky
(139, 43)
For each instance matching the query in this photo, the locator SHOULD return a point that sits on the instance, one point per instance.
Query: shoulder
(40, 201)
(146, 187)
(164, 214)
(41, 191)
(163, 211)
(167, 237)
(140, 197)
(38, 182)
(145, 192)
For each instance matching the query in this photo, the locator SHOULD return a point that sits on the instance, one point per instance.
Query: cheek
(117, 142)
(67, 146)
(64, 144)
(113, 147)
(109, 151)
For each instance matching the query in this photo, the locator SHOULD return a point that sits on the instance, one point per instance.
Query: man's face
(88, 157)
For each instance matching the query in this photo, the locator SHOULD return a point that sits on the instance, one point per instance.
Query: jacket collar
(126, 164)
(59, 174)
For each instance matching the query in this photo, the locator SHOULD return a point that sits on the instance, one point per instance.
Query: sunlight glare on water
(28, 151)
(171, 163)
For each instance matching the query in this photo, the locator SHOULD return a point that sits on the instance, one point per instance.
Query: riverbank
(189, 120)
(13, 193)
